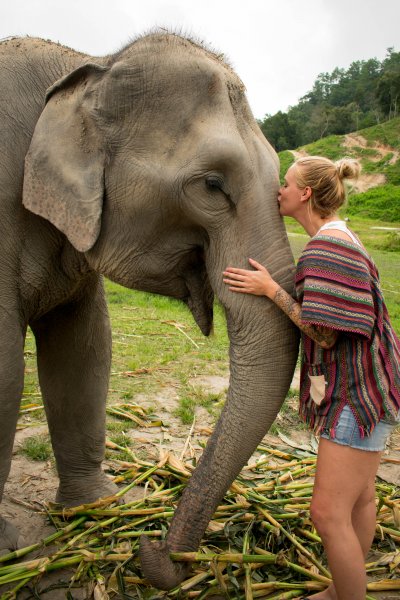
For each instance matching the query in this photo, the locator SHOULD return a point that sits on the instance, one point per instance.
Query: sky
(277, 47)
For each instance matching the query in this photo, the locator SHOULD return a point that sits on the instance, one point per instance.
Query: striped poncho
(337, 285)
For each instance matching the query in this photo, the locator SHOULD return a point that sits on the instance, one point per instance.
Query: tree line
(346, 100)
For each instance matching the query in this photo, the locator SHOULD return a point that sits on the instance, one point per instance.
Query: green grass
(192, 397)
(37, 447)
(157, 344)
(331, 147)
(115, 426)
(392, 242)
(387, 133)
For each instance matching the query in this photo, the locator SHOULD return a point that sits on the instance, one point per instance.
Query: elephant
(146, 167)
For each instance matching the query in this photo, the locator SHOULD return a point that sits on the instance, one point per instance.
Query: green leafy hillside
(345, 100)
(377, 194)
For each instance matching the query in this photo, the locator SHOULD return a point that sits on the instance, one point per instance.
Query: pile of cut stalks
(259, 544)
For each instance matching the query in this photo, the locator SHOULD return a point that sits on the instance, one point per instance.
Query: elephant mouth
(200, 297)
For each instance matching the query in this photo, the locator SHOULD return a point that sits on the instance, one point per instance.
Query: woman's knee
(366, 500)
(318, 514)
(326, 517)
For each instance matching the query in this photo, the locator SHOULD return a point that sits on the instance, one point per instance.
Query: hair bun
(348, 168)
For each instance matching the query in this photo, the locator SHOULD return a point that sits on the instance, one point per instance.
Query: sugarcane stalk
(83, 508)
(264, 487)
(282, 596)
(247, 568)
(17, 554)
(284, 501)
(394, 533)
(309, 534)
(286, 516)
(279, 453)
(294, 541)
(229, 557)
(270, 528)
(119, 512)
(384, 585)
(217, 570)
(277, 585)
(282, 561)
(137, 534)
(101, 541)
(44, 568)
(296, 473)
(12, 594)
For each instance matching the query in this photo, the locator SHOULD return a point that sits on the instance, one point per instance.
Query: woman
(350, 369)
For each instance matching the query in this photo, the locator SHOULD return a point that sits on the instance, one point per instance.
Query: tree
(388, 89)
(340, 102)
(279, 131)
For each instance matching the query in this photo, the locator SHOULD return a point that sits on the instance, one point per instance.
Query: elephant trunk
(258, 386)
(263, 353)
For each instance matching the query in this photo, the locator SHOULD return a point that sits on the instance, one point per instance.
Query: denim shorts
(347, 433)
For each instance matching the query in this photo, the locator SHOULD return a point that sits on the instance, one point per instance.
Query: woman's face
(290, 195)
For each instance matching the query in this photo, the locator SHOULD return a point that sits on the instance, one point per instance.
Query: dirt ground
(32, 483)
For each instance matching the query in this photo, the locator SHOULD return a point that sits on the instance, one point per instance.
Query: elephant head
(152, 165)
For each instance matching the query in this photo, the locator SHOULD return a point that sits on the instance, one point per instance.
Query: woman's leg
(342, 510)
(364, 517)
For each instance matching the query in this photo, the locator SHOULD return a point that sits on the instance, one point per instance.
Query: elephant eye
(214, 183)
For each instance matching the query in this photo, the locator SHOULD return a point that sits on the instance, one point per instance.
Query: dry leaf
(215, 526)
(177, 464)
(99, 592)
(163, 457)
(396, 516)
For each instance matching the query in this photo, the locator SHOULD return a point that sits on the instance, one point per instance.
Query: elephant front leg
(11, 386)
(74, 356)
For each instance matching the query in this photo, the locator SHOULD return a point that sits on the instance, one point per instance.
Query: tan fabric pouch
(317, 388)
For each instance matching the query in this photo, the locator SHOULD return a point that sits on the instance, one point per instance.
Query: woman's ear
(64, 167)
(306, 194)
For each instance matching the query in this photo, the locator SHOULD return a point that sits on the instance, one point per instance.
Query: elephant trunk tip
(157, 567)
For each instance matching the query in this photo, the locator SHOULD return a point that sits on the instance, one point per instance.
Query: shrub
(391, 242)
(392, 173)
(380, 203)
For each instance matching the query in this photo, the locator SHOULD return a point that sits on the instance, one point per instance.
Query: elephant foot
(75, 491)
(10, 537)
(158, 568)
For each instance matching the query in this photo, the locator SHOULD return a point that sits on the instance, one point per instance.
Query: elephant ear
(64, 167)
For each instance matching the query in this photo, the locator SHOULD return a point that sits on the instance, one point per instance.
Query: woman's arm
(323, 336)
(260, 283)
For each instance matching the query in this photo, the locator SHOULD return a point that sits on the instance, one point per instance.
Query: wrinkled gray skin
(146, 167)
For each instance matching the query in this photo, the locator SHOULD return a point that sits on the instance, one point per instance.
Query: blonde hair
(326, 180)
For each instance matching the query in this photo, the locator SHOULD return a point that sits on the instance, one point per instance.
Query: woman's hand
(258, 282)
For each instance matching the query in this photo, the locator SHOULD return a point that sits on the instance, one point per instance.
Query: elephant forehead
(164, 48)
(173, 81)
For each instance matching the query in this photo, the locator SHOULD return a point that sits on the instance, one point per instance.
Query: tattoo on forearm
(324, 336)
